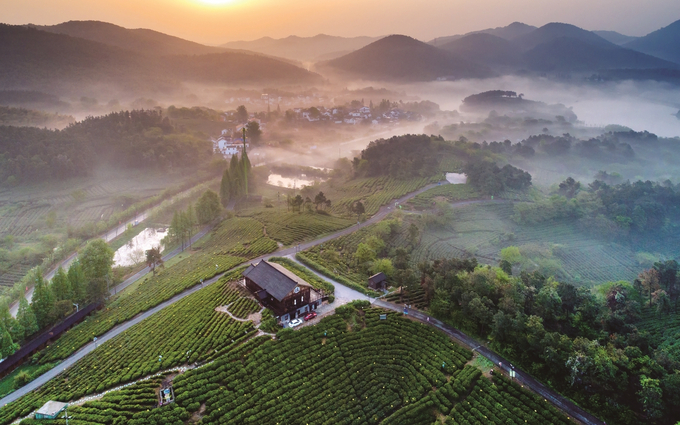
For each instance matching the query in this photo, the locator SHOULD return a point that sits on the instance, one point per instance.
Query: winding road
(343, 295)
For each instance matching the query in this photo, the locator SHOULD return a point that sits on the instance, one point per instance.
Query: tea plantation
(229, 245)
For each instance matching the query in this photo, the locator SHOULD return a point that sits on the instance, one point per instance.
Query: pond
(456, 178)
(291, 182)
(134, 252)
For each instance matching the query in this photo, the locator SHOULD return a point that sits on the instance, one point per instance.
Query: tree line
(86, 281)
(134, 139)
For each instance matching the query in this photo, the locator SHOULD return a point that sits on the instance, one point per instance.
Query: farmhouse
(377, 281)
(280, 290)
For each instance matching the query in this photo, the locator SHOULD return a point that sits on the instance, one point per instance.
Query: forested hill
(57, 63)
(142, 41)
(133, 139)
(403, 58)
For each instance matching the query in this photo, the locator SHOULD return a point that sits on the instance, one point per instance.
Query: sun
(215, 2)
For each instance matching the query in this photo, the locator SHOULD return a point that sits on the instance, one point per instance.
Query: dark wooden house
(378, 281)
(281, 290)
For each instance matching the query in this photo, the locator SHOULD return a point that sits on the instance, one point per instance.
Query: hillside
(510, 32)
(143, 41)
(486, 49)
(57, 63)
(567, 54)
(403, 58)
(663, 43)
(555, 30)
(615, 37)
(306, 49)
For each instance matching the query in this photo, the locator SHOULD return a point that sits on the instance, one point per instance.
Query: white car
(295, 322)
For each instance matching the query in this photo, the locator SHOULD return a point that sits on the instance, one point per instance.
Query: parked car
(310, 316)
(295, 322)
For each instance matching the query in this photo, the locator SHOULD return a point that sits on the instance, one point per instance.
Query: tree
(7, 346)
(650, 282)
(43, 302)
(506, 266)
(12, 325)
(320, 200)
(651, 397)
(26, 318)
(242, 114)
(357, 208)
(383, 265)
(154, 258)
(364, 255)
(208, 207)
(225, 188)
(76, 278)
(413, 233)
(569, 188)
(61, 286)
(253, 131)
(96, 260)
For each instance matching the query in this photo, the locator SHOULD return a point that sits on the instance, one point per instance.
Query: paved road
(562, 403)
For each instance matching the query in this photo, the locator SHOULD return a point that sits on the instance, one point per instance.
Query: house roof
(51, 408)
(377, 278)
(277, 280)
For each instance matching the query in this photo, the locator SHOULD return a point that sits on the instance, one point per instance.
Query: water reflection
(456, 178)
(134, 252)
(291, 182)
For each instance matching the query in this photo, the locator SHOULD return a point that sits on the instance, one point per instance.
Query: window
(302, 299)
(294, 302)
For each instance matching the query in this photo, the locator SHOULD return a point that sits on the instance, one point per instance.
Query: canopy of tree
(402, 156)
(585, 344)
(489, 179)
(126, 139)
(638, 208)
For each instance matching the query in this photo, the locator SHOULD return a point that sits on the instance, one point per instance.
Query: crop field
(354, 370)
(189, 331)
(662, 328)
(292, 227)
(482, 230)
(374, 192)
(446, 192)
(216, 255)
(243, 307)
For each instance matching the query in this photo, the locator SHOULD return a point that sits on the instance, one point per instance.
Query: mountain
(485, 49)
(512, 31)
(565, 54)
(306, 49)
(615, 37)
(553, 31)
(142, 41)
(56, 63)
(403, 58)
(663, 43)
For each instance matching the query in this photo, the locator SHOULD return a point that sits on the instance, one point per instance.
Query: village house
(282, 291)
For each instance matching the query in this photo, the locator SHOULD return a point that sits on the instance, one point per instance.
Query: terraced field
(188, 331)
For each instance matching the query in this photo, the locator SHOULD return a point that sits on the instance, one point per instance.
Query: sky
(218, 21)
